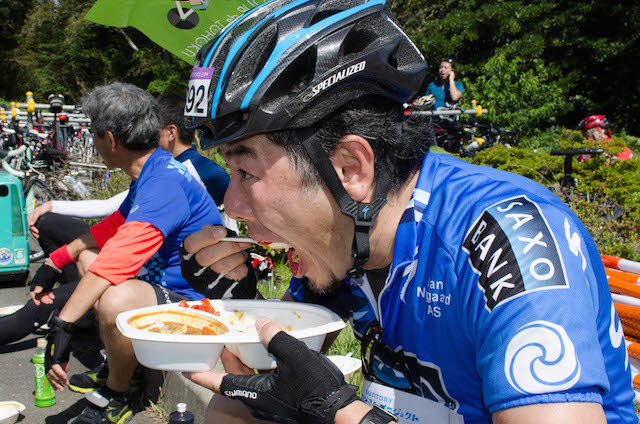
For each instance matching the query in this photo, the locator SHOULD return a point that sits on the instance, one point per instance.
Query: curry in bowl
(175, 322)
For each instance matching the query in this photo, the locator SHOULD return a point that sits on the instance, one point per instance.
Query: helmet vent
(323, 15)
(269, 42)
(293, 80)
(356, 42)
(250, 65)
(393, 57)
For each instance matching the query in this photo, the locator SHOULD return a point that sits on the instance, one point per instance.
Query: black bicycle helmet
(288, 64)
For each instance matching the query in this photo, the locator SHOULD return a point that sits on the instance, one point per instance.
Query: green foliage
(602, 177)
(517, 94)
(57, 50)
(589, 49)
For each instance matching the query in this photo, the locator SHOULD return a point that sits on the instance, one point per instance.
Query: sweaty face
(267, 193)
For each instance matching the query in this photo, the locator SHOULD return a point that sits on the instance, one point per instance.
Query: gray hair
(128, 112)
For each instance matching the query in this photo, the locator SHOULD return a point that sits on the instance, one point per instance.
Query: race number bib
(197, 103)
(407, 407)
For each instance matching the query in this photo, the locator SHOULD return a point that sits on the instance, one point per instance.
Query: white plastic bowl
(346, 364)
(10, 411)
(309, 323)
(306, 322)
(172, 352)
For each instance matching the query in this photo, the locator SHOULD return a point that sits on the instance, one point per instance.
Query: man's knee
(131, 294)
(109, 305)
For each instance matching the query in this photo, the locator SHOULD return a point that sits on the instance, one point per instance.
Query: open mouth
(294, 263)
(294, 259)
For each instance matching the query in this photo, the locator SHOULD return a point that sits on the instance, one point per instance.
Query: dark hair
(128, 112)
(171, 108)
(451, 60)
(399, 142)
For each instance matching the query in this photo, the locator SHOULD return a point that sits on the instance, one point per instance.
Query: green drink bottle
(44, 394)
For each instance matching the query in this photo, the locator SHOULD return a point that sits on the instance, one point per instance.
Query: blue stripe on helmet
(238, 44)
(207, 60)
(292, 39)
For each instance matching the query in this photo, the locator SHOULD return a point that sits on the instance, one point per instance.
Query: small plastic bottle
(79, 188)
(181, 416)
(44, 394)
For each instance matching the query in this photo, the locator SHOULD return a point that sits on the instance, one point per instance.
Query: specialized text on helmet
(338, 76)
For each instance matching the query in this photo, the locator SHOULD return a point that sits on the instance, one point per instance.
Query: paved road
(17, 381)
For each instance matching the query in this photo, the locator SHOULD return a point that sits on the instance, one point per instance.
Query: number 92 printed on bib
(197, 103)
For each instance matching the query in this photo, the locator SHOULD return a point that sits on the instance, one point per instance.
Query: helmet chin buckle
(363, 215)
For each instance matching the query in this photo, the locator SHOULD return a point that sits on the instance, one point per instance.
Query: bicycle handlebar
(20, 150)
(577, 151)
(450, 112)
(46, 106)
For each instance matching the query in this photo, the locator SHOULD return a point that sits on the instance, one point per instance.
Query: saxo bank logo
(541, 358)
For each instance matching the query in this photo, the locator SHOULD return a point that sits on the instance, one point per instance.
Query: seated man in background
(131, 257)
(596, 127)
(54, 225)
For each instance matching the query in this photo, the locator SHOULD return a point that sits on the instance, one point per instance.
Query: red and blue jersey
(496, 298)
(164, 205)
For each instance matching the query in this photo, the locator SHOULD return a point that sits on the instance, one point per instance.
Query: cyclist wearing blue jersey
(478, 296)
(130, 257)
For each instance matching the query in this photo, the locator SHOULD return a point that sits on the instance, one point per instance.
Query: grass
(159, 409)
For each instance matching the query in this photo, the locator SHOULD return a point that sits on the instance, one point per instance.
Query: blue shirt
(441, 92)
(496, 298)
(213, 176)
(168, 197)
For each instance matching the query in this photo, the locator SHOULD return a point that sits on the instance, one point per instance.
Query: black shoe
(90, 380)
(117, 411)
(94, 379)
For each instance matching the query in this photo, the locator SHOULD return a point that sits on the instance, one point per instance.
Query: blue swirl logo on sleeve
(513, 251)
(541, 358)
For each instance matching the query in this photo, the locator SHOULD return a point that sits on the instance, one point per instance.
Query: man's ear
(173, 132)
(353, 161)
(111, 140)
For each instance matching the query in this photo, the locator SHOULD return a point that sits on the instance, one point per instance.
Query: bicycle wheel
(35, 194)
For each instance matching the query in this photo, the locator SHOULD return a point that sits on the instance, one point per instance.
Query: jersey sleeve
(162, 204)
(88, 208)
(534, 308)
(105, 229)
(124, 254)
(460, 87)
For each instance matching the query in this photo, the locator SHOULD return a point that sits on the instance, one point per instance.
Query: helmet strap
(363, 214)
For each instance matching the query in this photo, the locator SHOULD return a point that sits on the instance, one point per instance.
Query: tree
(591, 50)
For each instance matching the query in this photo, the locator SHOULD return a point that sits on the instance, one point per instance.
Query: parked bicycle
(566, 189)
(464, 138)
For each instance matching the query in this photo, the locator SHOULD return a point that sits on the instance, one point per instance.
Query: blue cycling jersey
(168, 197)
(496, 298)
(213, 176)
